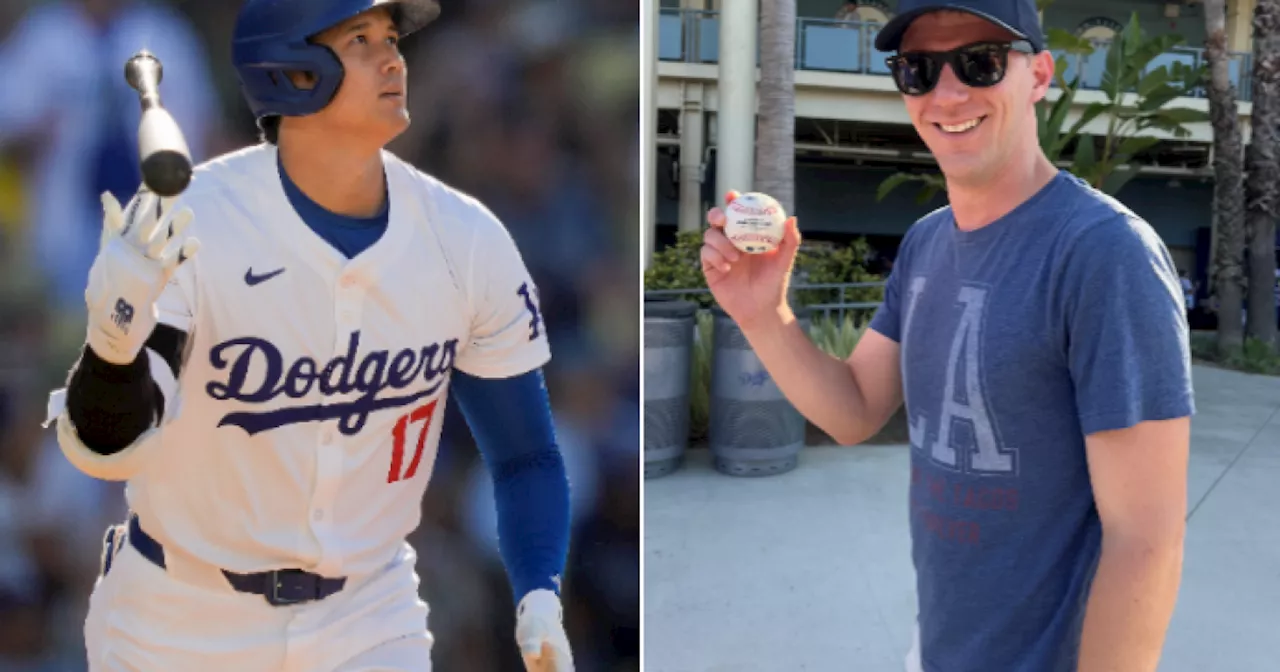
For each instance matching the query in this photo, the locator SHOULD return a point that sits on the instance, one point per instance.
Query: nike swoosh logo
(251, 279)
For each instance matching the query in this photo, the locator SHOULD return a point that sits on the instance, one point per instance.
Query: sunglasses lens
(980, 66)
(916, 74)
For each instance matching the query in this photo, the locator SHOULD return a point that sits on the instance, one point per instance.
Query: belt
(279, 587)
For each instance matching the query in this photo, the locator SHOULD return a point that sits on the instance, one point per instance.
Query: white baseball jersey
(304, 425)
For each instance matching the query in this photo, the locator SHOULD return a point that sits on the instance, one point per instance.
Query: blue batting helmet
(272, 37)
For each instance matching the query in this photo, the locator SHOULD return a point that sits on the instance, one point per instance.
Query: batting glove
(140, 250)
(540, 633)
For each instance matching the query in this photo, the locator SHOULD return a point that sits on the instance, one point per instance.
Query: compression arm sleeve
(510, 419)
(112, 405)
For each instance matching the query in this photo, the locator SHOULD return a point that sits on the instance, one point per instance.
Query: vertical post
(736, 105)
(692, 126)
(649, 126)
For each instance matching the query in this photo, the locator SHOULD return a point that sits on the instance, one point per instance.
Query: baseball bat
(162, 149)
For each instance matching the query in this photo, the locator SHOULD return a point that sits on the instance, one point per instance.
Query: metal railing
(838, 308)
(829, 45)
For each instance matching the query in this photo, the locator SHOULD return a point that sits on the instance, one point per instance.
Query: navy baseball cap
(1019, 17)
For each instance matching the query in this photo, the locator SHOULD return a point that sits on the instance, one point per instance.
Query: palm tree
(776, 120)
(1226, 274)
(1264, 171)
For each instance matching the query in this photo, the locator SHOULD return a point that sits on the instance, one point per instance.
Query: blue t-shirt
(348, 235)
(1059, 320)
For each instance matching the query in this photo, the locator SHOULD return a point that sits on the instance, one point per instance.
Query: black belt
(279, 587)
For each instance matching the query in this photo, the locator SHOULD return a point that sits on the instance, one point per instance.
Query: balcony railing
(693, 36)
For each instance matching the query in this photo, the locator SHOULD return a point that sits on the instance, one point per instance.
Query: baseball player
(267, 363)
(1035, 329)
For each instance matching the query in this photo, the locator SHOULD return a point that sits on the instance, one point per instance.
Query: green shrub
(700, 377)
(822, 263)
(836, 337)
(1256, 357)
(679, 266)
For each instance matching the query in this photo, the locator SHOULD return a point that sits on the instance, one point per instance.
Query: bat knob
(167, 172)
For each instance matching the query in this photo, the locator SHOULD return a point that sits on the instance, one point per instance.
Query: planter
(754, 430)
(668, 349)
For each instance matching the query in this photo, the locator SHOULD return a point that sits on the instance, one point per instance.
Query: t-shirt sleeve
(888, 317)
(508, 336)
(1127, 341)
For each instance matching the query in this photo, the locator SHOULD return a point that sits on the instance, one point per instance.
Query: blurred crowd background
(530, 105)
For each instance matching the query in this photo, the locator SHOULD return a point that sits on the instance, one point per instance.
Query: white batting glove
(540, 633)
(139, 253)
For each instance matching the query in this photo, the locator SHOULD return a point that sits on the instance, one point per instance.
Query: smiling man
(1034, 328)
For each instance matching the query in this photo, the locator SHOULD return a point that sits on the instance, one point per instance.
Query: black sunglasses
(978, 65)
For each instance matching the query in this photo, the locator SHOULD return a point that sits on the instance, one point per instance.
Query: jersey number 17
(422, 413)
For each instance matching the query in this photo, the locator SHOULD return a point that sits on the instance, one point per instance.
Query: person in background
(72, 104)
(1188, 290)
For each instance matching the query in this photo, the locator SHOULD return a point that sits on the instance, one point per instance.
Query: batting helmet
(272, 37)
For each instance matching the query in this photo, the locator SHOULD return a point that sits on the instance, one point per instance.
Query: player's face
(973, 132)
(372, 96)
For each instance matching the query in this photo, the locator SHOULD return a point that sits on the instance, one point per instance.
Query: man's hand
(540, 633)
(140, 250)
(747, 286)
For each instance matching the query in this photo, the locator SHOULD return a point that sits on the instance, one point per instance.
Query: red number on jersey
(422, 413)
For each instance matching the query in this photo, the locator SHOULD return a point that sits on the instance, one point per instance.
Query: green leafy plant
(931, 184)
(700, 376)
(1137, 96)
(835, 336)
(824, 263)
(679, 266)
(1254, 357)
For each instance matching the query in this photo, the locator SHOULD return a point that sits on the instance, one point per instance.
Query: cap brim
(890, 37)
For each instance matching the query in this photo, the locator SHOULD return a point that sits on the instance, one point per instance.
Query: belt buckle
(281, 594)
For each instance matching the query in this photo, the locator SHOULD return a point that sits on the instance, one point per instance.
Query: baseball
(754, 222)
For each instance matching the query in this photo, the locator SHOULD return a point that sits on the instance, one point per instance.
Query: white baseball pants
(142, 618)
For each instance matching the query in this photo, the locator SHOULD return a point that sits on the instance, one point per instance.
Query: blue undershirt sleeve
(510, 419)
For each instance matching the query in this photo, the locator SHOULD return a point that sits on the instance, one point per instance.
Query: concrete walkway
(811, 570)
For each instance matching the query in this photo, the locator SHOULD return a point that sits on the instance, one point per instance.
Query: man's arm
(850, 400)
(111, 405)
(510, 419)
(1139, 477)
(138, 313)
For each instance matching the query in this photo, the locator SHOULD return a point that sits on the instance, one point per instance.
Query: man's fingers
(166, 248)
(164, 239)
(112, 215)
(149, 217)
(715, 218)
(713, 260)
(790, 234)
(721, 243)
(542, 661)
(189, 249)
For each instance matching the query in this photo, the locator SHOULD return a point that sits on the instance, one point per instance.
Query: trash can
(754, 430)
(668, 351)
